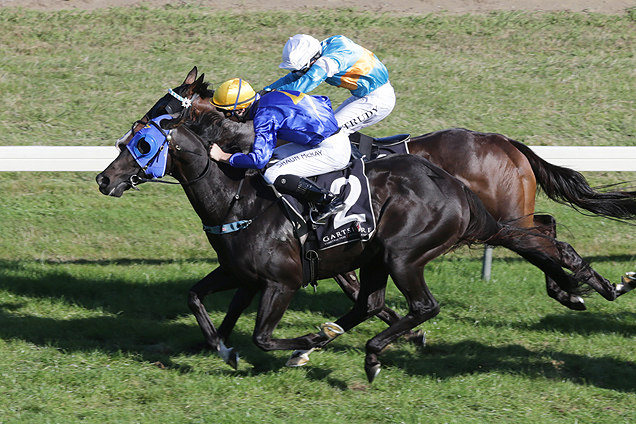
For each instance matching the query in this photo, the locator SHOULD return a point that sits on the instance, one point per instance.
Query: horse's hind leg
(546, 224)
(552, 256)
(350, 285)
(583, 272)
(422, 307)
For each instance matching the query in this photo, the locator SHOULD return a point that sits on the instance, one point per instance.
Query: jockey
(341, 63)
(315, 144)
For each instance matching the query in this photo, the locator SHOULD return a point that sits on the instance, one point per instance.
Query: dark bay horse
(421, 212)
(502, 172)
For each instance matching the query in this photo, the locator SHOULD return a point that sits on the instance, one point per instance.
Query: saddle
(357, 222)
(371, 148)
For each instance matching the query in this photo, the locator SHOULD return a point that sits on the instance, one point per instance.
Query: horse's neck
(244, 129)
(212, 197)
(223, 195)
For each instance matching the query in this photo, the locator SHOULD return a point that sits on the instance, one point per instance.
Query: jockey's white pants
(331, 154)
(356, 113)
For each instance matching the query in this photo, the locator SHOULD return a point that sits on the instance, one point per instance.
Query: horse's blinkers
(149, 148)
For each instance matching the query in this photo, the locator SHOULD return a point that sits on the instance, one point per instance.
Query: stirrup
(335, 206)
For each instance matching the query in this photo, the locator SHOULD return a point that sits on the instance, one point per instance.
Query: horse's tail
(567, 186)
(482, 226)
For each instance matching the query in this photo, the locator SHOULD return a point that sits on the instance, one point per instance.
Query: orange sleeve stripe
(363, 66)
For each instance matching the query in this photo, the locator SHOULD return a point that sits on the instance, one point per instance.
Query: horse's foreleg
(275, 300)
(216, 281)
(351, 286)
(368, 300)
(241, 300)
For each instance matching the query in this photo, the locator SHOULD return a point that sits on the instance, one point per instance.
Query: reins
(135, 180)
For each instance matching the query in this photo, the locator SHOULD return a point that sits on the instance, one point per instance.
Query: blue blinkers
(149, 147)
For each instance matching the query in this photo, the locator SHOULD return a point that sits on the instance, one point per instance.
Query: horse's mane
(204, 90)
(213, 127)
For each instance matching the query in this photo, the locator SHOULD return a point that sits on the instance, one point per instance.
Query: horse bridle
(135, 179)
(186, 104)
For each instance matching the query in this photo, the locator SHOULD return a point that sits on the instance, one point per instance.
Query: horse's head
(172, 146)
(146, 156)
(188, 100)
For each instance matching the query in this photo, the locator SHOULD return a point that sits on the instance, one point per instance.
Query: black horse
(504, 173)
(421, 212)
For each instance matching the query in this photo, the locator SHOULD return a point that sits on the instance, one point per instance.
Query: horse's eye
(143, 146)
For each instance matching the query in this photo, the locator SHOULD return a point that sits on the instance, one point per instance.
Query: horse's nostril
(102, 180)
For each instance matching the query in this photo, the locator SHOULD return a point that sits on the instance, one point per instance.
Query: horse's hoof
(418, 338)
(628, 283)
(576, 303)
(299, 358)
(229, 355)
(372, 371)
(331, 330)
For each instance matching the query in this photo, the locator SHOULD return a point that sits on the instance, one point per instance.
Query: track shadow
(140, 319)
(444, 361)
(116, 315)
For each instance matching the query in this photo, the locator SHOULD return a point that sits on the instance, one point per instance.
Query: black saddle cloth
(354, 224)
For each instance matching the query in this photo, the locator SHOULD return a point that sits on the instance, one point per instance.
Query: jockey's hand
(217, 154)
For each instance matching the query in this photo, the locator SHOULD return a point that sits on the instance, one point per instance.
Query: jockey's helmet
(299, 51)
(234, 94)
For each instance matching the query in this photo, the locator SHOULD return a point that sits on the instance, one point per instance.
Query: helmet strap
(238, 95)
(311, 62)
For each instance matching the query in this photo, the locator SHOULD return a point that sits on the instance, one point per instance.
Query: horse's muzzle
(109, 189)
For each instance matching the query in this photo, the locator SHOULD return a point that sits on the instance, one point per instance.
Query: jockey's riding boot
(327, 203)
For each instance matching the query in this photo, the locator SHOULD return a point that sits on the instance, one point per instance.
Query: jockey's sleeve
(287, 79)
(262, 150)
(310, 80)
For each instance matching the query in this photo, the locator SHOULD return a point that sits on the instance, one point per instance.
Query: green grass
(81, 78)
(94, 323)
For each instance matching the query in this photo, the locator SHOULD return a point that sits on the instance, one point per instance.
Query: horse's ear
(195, 86)
(169, 123)
(199, 82)
(191, 76)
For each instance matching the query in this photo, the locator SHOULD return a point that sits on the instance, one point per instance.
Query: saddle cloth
(355, 223)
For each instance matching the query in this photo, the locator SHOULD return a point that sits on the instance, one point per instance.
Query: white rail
(56, 158)
(96, 158)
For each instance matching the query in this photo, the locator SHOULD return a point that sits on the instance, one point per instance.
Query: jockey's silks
(287, 115)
